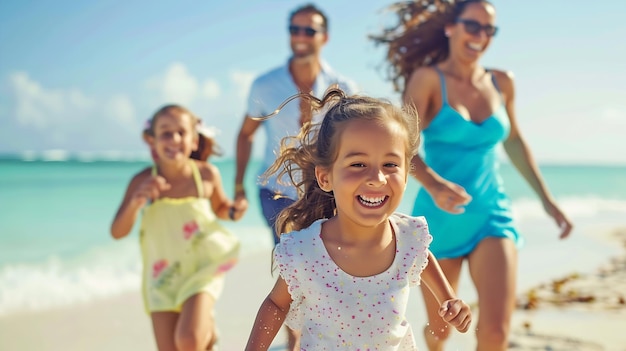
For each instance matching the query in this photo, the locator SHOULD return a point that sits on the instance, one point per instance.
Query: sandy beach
(571, 312)
(576, 311)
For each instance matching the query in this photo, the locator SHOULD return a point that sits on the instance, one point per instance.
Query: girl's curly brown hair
(317, 145)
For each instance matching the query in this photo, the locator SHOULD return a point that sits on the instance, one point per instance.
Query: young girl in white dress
(347, 260)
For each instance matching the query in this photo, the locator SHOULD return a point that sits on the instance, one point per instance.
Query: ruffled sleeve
(420, 239)
(287, 260)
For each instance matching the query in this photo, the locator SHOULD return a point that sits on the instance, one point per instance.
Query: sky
(82, 76)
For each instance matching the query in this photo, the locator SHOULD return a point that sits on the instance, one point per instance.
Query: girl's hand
(150, 189)
(457, 313)
(559, 217)
(240, 205)
(450, 197)
(237, 210)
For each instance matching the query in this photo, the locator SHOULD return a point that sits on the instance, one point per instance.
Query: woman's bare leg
(493, 268)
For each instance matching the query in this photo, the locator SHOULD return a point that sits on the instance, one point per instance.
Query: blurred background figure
(185, 250)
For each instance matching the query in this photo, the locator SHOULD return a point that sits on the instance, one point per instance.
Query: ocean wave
(118, 156)
(98, 273)
(53, 155)
(58, 282)
(60, 155)
(574, 206)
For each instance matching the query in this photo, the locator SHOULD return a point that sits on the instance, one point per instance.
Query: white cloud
(178, 85)
(121, 109)
(33, 104)
(616, 117)
(242, 81)
(41, 108)
(42, 118)
(76, 98)
(211, 89)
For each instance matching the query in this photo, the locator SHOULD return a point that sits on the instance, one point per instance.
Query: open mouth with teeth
(172, 152)
(372, 201)
(475, 46)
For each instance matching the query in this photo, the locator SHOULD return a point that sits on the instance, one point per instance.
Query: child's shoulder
(143, 174)
(411, 229)
(302, 237)
(207, 170)
(297, 247)
(140, 177)
(411, 221)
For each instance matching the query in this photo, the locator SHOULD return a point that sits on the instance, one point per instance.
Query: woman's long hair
(418, 38)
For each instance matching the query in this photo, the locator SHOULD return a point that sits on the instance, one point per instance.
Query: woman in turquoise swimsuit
(465, 111)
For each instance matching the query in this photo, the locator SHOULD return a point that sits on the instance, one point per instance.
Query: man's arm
(244, 147)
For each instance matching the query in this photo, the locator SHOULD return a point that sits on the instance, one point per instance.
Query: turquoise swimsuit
(464, 152)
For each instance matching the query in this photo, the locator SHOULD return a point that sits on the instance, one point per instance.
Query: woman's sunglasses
(308, 31)
(474, 27)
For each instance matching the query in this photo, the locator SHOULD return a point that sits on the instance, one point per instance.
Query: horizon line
(59, 155)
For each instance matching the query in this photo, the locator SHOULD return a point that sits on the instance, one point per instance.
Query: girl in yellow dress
(185, 250)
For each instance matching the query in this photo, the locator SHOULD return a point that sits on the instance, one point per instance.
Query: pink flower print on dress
(225, 267)
(158, 267)
(189, 229)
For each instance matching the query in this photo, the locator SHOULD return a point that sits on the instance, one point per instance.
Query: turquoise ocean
(56, 250)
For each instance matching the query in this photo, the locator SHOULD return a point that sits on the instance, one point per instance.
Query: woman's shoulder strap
(442, 80)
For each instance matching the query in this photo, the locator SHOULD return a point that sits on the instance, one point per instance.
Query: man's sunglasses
(308, 31)
(474, 27)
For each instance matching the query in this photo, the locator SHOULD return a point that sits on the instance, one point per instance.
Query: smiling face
(174, 136)
(307, 35)
(369, 175)
(467, 43)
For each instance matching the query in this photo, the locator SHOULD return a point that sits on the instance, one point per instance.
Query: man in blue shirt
(305, 71)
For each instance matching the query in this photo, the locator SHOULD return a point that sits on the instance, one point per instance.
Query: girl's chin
(173, 158)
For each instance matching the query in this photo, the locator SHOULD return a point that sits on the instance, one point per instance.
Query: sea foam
(58, 282)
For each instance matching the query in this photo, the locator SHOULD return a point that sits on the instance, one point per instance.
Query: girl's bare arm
(270, 317)
(141, 189)
(452, 309)
(220, 203)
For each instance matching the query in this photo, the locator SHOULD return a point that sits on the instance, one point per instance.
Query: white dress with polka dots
(337, 311)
